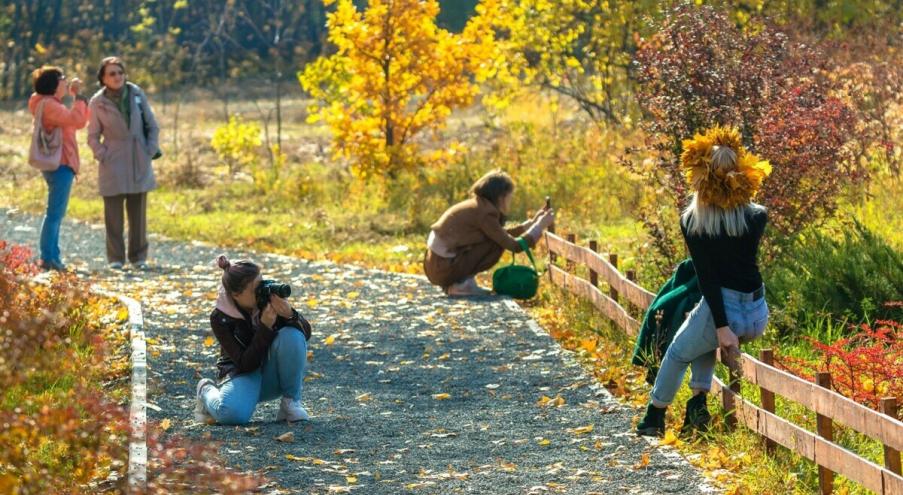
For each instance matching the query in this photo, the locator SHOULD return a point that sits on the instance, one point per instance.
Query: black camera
(268, 287)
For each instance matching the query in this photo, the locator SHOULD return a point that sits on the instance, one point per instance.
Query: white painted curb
(137, 476)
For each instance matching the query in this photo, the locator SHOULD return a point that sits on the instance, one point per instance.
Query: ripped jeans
(695, 343)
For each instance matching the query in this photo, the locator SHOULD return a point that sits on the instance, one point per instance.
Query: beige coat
(122, 151)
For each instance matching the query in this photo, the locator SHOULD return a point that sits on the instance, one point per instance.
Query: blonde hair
(701, 218)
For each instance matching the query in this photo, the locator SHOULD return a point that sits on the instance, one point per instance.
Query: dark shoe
(697, 417)
(653, 424)
(56, 266)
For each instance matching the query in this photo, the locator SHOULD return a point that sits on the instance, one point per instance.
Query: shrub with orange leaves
(866, 367)
(63, 430)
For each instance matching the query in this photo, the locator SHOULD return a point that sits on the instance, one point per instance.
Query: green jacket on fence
(663, 318)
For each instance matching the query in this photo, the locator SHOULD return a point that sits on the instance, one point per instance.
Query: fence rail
(828, 405)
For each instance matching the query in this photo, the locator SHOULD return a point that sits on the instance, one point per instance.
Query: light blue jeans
(695, 343)
(59, 184)
(280, 375)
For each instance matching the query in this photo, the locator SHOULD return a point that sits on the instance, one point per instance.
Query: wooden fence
(828, 405)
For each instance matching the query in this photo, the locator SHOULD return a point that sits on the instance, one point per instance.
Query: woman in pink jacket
(50, 86)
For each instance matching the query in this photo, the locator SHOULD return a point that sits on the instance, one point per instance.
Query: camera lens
(281, 290)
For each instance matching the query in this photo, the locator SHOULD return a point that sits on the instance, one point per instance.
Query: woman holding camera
(122, 116)
(471, 237)
(50, 87)
(263, 350)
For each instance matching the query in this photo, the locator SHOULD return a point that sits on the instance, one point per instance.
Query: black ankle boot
(697, 417)
(653, 424)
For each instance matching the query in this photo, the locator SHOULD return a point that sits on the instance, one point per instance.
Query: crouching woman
(471, 237)
(263, 353)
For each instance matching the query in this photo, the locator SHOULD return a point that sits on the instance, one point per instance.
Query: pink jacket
(57, 115)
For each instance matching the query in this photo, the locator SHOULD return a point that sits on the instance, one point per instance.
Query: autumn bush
(700, 70)
(866, 366)
(64, 416)
(60, 429)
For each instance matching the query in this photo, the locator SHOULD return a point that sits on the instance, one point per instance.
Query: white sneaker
(291, 410)
(466, 288)
(475, 288)
(115, 265)
(200, 410)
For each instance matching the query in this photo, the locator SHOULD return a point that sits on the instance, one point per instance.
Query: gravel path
(387, 349)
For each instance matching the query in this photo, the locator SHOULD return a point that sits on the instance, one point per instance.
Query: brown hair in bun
(237, 276)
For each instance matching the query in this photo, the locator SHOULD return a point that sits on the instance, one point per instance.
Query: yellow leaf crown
(723, 188)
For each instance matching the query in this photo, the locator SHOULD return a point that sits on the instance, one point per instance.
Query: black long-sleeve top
(725, 261)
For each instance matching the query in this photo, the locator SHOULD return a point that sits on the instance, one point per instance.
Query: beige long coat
(123, 152)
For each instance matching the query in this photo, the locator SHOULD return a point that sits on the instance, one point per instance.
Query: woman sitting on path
(722, 228)
(50, 87)
(263, 353)
(122, 116)
(470, 237)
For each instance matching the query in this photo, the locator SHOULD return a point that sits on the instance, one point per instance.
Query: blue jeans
(59, 184)
(280, 375)
(695, 343)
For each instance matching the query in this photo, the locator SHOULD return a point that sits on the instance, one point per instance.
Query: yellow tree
(395, 77)
(581, 49)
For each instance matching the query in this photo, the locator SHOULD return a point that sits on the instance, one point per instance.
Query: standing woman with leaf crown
(722, 228)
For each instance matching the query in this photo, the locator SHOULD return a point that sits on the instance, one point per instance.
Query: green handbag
(517, 281)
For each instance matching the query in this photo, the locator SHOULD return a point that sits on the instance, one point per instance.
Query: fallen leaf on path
(546, 401)
(330, 340)
(208, 341)
(441, 396)
(165, 424)
(581, 430)
(671, 439)
(343, 451)
(287, 437)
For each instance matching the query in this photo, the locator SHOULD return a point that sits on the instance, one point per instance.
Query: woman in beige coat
(124, 136)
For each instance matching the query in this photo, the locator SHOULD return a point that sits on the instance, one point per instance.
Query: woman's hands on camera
(268, 316)
(75, 86)
(277, 307)
(281, 306)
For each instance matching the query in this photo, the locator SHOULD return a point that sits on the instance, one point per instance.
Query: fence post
(613, 259)
(891, 456)
(552, 256)
(825, 429)
(572, 238)
(631, 275)
(593, 276)
(767, 357)
(728, 398)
